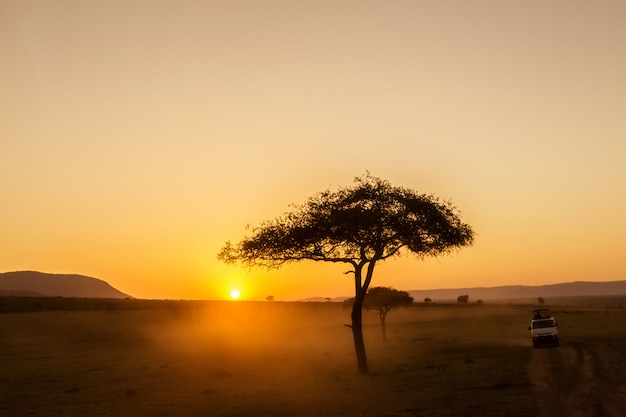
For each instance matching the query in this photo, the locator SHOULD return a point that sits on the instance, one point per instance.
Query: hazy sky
(136, 137)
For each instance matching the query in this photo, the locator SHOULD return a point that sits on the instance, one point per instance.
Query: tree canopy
(360, 225)
(368, 222)
(386, 298)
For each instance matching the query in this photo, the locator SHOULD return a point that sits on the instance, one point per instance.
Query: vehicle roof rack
(542, 313)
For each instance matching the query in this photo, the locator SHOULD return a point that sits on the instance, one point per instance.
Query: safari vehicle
(544, 328)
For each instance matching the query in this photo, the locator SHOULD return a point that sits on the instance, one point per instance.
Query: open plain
(72, 357)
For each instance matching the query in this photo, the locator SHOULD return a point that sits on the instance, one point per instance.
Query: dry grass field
(128, 358)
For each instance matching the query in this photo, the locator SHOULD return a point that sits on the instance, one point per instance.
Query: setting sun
(234, 294)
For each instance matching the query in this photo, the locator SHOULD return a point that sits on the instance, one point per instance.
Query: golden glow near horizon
(137, 137)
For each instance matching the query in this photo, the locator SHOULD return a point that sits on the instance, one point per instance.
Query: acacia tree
(383, 299)
(359, 226)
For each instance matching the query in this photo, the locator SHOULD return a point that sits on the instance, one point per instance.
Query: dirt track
(580, 378)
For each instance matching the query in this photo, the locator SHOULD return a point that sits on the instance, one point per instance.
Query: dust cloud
(269, 337)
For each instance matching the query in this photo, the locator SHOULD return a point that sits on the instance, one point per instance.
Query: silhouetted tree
(383, 299)
(360, 226)
(541, 300)
(463, 299)
(427, 300)
(479, 302)
(269, 298)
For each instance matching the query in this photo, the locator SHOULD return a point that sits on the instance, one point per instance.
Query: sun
(235, 294)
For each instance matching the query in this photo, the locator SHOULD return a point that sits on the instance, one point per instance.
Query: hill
(525, 292)
(37, 284)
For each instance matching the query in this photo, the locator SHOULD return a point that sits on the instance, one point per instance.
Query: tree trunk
(383, 314)
(357, 312)
(357, 333)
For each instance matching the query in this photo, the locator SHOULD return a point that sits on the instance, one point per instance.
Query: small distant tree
(427, 300)
(359, 226)
(479, 302)
(383, 299)
(462, 299)
(269, 298)
(541, 300)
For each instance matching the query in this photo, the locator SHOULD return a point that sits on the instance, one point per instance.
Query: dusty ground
(275, 359)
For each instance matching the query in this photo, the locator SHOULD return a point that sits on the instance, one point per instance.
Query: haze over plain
(137, 137)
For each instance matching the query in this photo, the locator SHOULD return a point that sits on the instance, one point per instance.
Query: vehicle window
(543, 324)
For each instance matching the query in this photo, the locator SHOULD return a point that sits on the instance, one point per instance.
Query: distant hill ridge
(39, 284)
(512, 292)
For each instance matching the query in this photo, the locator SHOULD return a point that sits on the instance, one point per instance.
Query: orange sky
(136, 137)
